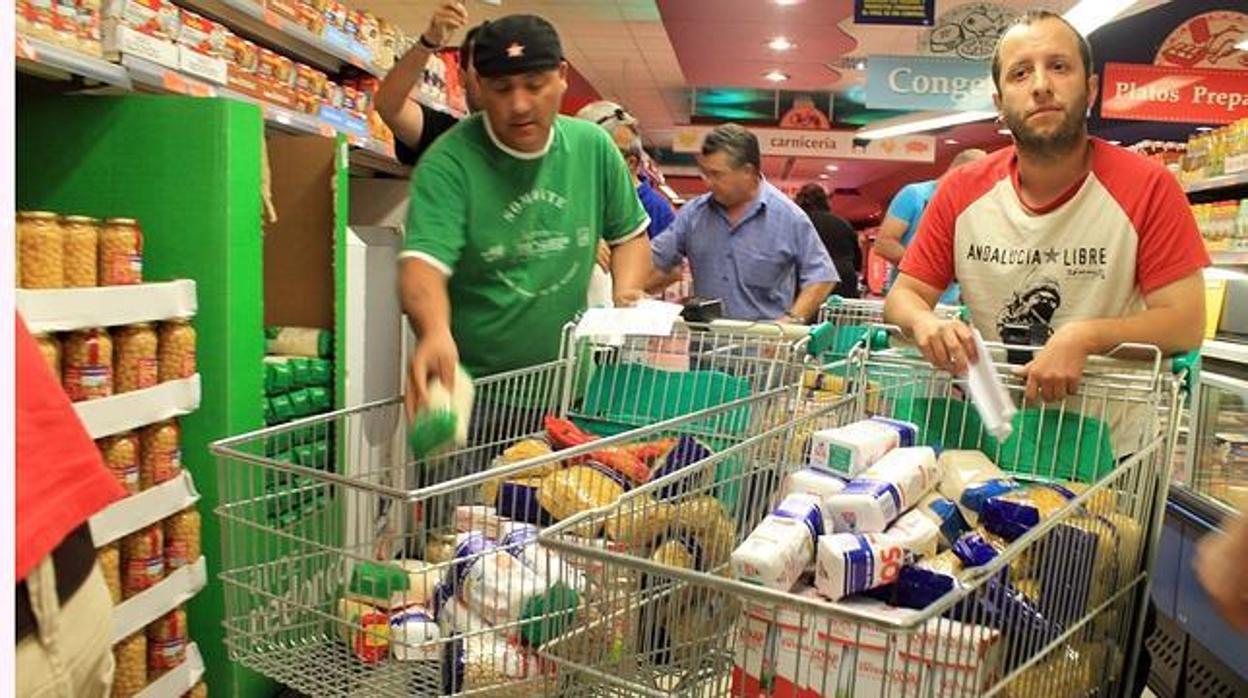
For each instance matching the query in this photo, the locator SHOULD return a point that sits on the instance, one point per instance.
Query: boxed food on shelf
(276, 75)
(202, 48)
(369, 33)
(387, 38)
(335, 14)
(144, 28)
(309, 88)
(71, 24)
(243, 57)
(284, 8)
(310, 16)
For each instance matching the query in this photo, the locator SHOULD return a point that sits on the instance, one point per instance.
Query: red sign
(1184, 95)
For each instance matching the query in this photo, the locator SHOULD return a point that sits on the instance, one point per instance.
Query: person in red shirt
(63, 610)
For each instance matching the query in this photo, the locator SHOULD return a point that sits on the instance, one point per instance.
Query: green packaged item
(281, 408)
(319, 397)
(320, 372)
(300, 403)
(312, 455)
(299, 368)
(269, 418)
(299, 341)
(377, 583)
(547, 615)
(277, 378)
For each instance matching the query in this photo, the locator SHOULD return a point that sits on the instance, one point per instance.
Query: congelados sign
(820, 144)
(922, 83)
(1165, 93)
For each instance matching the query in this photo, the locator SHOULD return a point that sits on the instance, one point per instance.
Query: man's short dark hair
(465, 48)
(737, 142)
(812, 197)
(1029, 18)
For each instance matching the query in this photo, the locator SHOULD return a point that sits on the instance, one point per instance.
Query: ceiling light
(831, 168)
(1005, 132)
(923, 121)
(1243, 45)
(786, 3)
(823, 176)
(1089, 15)
(860, 65)
(780, 43)
(776, 76)
(1204, 129)
(951, 141)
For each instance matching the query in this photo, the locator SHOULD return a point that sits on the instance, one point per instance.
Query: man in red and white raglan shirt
(1078, 244)
(64, 626)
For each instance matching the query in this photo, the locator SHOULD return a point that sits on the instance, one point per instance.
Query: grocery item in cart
(579, 488)
(414, 635)
(1013, 513)
(121, 252)
(50, 347)
(853, 448)
(130, 662)
(946, 515)
(488, 663)
(365, 629)
(970, 479)
(422, 580)
(520, 539)
(454, 616)
(773, 649)
(109, 559)
(382, 585)
(922, 583)
(878, 496)
(166, 643)
(480, 518)
(704, 518)
(978, 547)
(848, 563)
(161, 449)
(685, 452)
(183, 538)
(444, 418)
(821, 483)
(40, 250)
(134, 358)
(121, 456)
(299, 341)
(1073, 669)
(782, 546)
(176, 356)
(915, 533)
(519, 500)
(640, 521)
(88, 359)
(143, 560)
(81, 248)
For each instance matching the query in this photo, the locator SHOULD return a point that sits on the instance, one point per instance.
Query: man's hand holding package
(449, 18)
(946, 344)
(436, 356)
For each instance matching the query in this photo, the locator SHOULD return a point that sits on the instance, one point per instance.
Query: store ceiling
(647, 54)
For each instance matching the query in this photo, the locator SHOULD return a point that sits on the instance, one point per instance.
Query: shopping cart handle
(821, 337)
(1186, 364)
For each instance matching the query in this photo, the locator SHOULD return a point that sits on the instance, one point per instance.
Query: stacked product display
(1223, 224)
(1216, 153)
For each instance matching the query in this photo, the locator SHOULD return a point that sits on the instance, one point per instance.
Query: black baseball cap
(514, 45)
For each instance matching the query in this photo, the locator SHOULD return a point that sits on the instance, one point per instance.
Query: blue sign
(916, 12)
(920, 83)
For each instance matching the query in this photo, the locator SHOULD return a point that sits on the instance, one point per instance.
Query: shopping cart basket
(846, 322)
(1056, 613)
(304, 603)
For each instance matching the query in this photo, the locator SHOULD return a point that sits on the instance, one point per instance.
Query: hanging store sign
(928, 84)
(1208, 40)
(1184, 95)
(968, 31)
(820, 144)
(917, 12)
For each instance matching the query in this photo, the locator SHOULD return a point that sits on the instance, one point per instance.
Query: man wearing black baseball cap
(507, 210)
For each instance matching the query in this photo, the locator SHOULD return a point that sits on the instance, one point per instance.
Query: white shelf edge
(72, 62)
(143, 509)
(136, 612)
(62, 310)
(1225, 351)
(177, 681)
(1213, 183)
(112, 415)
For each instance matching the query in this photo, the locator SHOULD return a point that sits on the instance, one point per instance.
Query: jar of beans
(121, 455)
(121, 252)
(50, 347)
(87, 356)
(81, 238)
(134, 366)
(161, 449)
(177, 350)
(40, 252)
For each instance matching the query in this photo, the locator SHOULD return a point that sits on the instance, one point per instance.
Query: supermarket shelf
(330, 52)
(136, 612)
(143, 509)
(1226, 351)
(47, 60)
(62, 310)
(1229, 258)
(176, 682)
(1224, 182)
(369, 159)
(112, 415)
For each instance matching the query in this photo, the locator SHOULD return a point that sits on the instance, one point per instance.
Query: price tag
(25, 50)
(174, 82)
(272, 19)
(196, 88)
(327, 130)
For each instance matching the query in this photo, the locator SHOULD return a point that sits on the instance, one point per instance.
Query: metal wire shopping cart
(1056, 613)
(329, 529)
(846, 322)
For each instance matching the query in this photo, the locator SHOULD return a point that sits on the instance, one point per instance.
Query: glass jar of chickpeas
(135, 366)
(40, 254)
(177, 350)
(50, 347)
(81, 235)
(160, 449)
(88, 359)
(121, 252)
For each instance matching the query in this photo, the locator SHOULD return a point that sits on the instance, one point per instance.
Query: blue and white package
(518, 500)
(907, 432)
(923, 582)
(1012, 514)
(871, 502)
(977, 549)
(975, 495)
(414, 635)
(520, 539)
(821, 483)
(782, 546)
(848, 563)
(946, 515)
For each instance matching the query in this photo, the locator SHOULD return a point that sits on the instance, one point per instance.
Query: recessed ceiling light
(1203, 129)
(1115, 142)
(951, 141)
(1005, 132)
(860, 65)
(776, 76)
(786, 3)
(831, 168)
(780, 43)
(823, 176)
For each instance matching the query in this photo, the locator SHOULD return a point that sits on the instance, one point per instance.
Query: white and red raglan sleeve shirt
(1122, 232)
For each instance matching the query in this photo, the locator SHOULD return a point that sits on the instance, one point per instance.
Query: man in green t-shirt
(507, 210)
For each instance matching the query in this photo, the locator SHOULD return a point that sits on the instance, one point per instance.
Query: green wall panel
(189, 170)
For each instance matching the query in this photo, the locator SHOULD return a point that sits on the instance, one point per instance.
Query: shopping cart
(1056, 613)
(307, 507)
(845, 322)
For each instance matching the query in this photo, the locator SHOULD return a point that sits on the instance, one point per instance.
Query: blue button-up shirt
(755, 266)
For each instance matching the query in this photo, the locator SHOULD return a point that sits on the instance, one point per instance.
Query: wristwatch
(427, 44)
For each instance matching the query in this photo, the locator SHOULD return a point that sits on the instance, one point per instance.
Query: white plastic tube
(996, 409)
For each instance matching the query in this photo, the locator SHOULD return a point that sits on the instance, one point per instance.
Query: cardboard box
(202, 47)
(288, 9)
(774, 650)
(310, 17)
(143, 28)
(309, 86)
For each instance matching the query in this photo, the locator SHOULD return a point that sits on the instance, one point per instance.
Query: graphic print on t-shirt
(1035, 305)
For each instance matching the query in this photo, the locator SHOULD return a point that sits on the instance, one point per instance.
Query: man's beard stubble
(1066, 137)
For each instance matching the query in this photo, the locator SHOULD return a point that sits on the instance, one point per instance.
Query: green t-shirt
(517, 234)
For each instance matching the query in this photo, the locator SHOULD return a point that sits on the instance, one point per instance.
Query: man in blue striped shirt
(747, 243)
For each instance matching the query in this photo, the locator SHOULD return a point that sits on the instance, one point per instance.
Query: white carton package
(915, 533)
(144, 28)
(414, 635)
(774, 645)
(988, 393)
(849, 563)
(851, 449)
(846, 659)
(782, 546)
(816, 481)
(877, 497)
